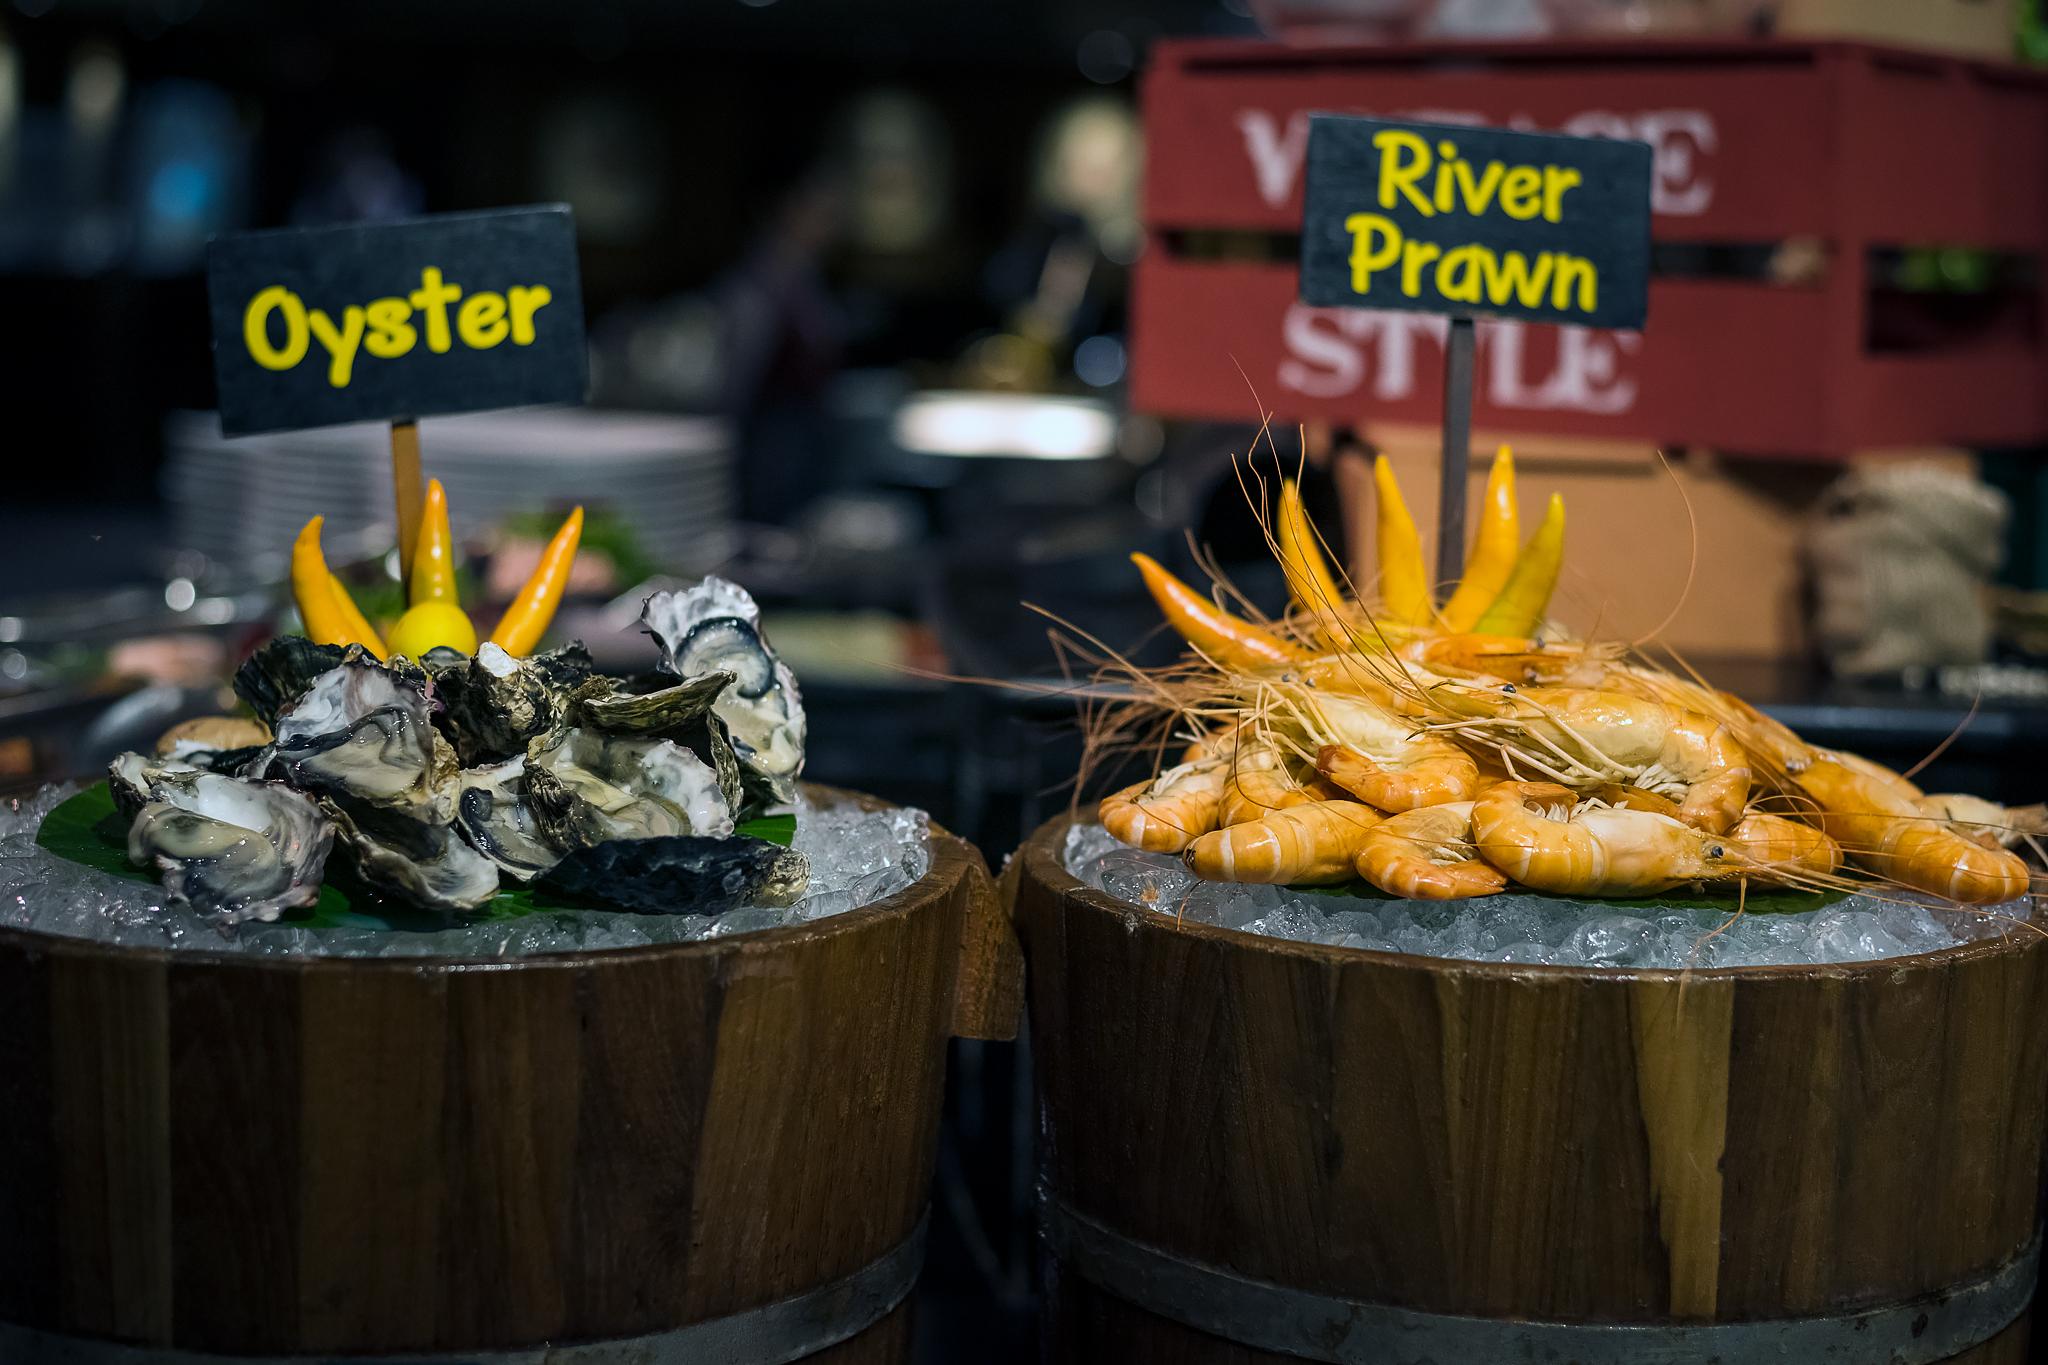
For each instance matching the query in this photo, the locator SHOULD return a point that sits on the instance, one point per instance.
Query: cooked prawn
(1541, 835)
(1166, 813)
(1882, 828)
(1380, 758)
(1307, 844)
(1426, 854)
(1784, 850)
(1258, 783)
(1583, 737)
(1987, 822)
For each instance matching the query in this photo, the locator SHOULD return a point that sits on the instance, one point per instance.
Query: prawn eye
(1507, 687)
(1717, 852)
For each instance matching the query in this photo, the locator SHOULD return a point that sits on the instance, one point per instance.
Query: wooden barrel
(713, 1151)
(1257, 1150)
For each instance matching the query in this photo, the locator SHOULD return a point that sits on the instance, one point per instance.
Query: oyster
(362, 733)
(424, 865)
(493, 814)
(585, 787)
(563, 668)
(681, 875)
(492, 706)
(224, 847)
(279, 673)
(715, 627)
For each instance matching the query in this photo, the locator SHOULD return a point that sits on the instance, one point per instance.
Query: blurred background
(909, 313)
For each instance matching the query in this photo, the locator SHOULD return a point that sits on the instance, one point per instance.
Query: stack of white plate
(242, 501)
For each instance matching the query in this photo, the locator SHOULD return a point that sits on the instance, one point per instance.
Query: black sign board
(1476, 221)
(396, 320)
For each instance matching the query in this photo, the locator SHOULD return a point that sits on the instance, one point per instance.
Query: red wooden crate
(1757, 143)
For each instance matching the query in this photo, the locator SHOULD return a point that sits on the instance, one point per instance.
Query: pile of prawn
(1455, 749)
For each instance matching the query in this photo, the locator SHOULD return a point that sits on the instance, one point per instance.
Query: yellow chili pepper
(359, 626)
(1519, 608)
(1404, 586)
(1230, 640)
(433, 554)
(1493, 548)
(526, 620)
(1308, 574)
(319, 597)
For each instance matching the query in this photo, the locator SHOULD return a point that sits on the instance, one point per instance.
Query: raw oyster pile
(433, 783)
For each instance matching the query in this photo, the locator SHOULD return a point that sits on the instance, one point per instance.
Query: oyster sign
(448, 313)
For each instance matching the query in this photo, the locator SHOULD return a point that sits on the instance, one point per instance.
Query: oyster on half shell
(226, 848)
(585, 787)
(497, 819)
(715, 627)
(363, 734)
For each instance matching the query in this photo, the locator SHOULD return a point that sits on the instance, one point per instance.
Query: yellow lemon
(430, 624)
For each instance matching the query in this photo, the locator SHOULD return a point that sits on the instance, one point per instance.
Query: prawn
(1380, 758)
(1259, 784)
(1427, 854)
(1314, 843)
(1584, 736)
(1541, 835)
(1880, 826)
(1986, 822)
(1787, 848)
(1164, 814)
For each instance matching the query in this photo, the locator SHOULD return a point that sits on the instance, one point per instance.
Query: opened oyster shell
(428, 866)
(585, 787)
(715, 627)
(496, 818)
(223, 847)
(683, 875)
(363, 734)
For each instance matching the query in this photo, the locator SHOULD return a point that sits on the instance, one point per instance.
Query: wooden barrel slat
(1544, 1143)
(312, 1156)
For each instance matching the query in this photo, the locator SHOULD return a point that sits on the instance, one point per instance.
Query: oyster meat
(586, 787)
(493, 814)
(715, 627)
(429, 866)
(682, 875)
(364, 733)
(226, 848)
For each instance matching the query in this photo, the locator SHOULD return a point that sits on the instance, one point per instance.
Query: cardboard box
(1977, 28)
(1697, 551)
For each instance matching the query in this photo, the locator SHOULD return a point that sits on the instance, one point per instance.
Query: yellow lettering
(1444, 186)
(1478, 196)
(432, 299)
(1511, 279)
(1556, 180)
(1457, 275)
(391, 335)
(1577, 269)
(1365, 257)
(256, 328)
(480, 322)
(1521, 194)
(1404, 159)
(341, 345)
(1414, 256)
(525, 303)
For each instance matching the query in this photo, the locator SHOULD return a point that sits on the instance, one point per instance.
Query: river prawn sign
(449, 313)
(1466, 221)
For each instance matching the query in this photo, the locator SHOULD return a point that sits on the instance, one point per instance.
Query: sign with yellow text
(1465, 221)
(449, 313)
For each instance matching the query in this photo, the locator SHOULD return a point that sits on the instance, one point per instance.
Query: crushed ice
(1537, 929)
(857, 858)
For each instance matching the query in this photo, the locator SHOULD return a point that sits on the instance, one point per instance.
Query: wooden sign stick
(1450, 508)
(409, 489)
